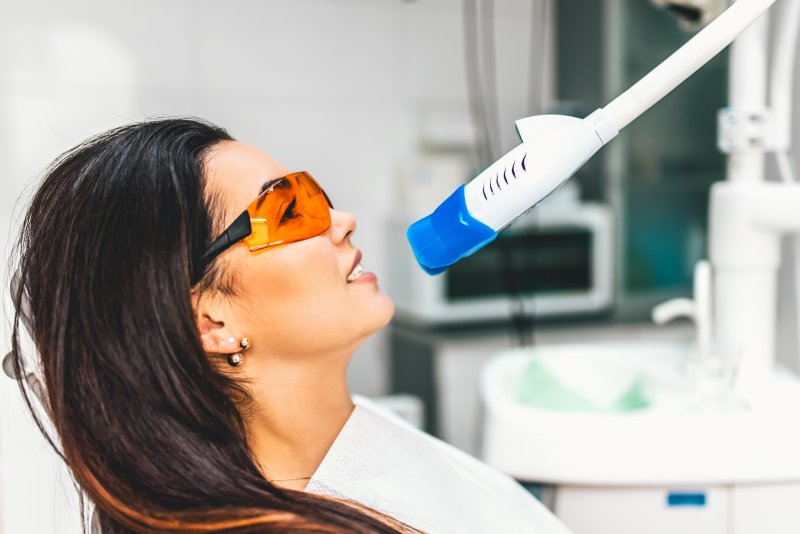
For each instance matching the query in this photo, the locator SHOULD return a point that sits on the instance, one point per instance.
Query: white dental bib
(386, 464)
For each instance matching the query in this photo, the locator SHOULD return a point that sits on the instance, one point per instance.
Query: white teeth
(357, 271)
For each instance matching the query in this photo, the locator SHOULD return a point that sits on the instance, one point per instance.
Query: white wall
(330, 86)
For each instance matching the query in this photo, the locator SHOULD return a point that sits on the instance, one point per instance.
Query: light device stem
(685, 61)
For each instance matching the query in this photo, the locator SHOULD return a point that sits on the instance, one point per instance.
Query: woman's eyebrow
(269, 183)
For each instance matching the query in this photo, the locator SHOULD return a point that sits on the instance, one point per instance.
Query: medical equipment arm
(554, 147)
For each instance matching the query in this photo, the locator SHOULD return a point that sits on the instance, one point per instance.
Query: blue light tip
(447, 235)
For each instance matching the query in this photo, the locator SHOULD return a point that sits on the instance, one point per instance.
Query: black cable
(474, 85)
(521, 321)
(524, 320)
(481, 69)
(537, 55)
(489, 58)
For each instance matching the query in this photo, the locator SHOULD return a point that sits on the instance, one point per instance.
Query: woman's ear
(215, 335)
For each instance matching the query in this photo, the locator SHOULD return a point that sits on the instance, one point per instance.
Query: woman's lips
(365, 277)
(356, 261)
(358, 274)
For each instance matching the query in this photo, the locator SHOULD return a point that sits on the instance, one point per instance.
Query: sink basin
(676, 439)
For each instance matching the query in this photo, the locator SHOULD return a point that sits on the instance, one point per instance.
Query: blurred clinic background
(392, 104)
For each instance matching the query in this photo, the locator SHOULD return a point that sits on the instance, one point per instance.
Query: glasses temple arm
(238, 230)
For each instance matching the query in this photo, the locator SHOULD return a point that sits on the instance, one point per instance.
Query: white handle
(698, 309)
(673, 309)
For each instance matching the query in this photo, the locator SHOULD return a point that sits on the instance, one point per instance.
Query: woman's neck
(298, 410)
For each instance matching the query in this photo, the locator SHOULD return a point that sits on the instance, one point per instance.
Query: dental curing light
(554, 147)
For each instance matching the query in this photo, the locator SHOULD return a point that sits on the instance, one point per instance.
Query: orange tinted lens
(292, 209)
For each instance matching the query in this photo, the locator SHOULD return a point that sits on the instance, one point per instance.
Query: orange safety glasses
(289, 209)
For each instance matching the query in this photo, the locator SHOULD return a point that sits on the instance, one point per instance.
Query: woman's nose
(343, 223)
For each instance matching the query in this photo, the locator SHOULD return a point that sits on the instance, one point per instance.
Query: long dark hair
(150, 431)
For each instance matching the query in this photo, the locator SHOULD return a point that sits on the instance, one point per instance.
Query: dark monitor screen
(552, 260)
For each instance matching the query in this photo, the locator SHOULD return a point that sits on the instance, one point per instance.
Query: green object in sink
(540, 388)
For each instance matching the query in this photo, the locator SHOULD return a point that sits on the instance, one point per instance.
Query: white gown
(383, 462)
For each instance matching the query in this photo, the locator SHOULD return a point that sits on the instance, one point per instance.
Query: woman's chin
(389, 309)
(381, 314)
(368, 315)
(384, 311)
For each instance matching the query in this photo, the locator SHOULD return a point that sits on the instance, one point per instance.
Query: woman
(195, 306)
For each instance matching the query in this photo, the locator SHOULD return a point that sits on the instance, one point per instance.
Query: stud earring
(236, 358)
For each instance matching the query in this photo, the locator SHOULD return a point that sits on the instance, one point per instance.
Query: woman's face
(292, 300)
